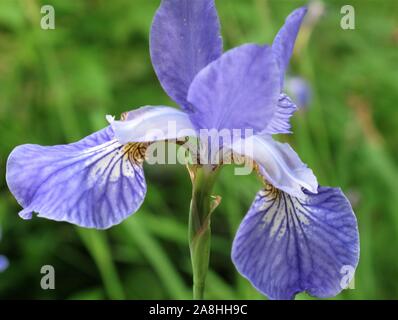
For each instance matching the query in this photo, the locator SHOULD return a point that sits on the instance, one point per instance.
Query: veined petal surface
(94, 183)
(286, 245)
(239, 90)
(280, 122)
(185, 38)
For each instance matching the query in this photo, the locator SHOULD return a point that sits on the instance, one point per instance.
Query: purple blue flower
(297, 236)
(299, 90)
(4, 263)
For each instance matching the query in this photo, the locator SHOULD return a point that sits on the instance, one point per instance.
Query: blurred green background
(57, 85)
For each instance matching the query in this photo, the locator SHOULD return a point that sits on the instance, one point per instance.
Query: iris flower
(300, 91)
(3, 263)
(3, 259)
(296, 236)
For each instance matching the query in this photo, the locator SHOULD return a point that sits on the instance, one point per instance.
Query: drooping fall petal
(286, 245)
(94, 183)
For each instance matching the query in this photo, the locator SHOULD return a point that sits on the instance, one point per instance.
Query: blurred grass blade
(217, 288)
(156, 256)
(98, 247)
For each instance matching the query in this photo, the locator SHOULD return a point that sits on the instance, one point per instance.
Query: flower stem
(202, 205)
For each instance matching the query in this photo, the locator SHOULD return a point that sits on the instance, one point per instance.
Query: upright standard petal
(286, 245)
(185, 37)
(94, 183)
(149, 124)
(238, 91)
(278, 163)
(284, 41)
(280, 122)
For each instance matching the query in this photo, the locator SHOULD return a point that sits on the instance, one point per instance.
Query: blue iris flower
(3, 263)
(3, 259)
(299, 90)
(296, 236)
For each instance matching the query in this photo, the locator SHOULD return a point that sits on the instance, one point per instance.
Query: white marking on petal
(278, 164)
(148, 124)
(110, 118)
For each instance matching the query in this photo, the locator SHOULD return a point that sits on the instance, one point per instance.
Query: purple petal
(284, 41)
(92, 183)
(150, 123)
(278, 163)
(4, 263)
(285, 245)
(280, 122)
(185, 37)
(238, 91)
(300, 91)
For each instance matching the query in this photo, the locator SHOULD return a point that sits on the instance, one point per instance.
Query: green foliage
(57, 85)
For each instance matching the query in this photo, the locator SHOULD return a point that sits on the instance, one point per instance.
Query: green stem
(202, 205)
